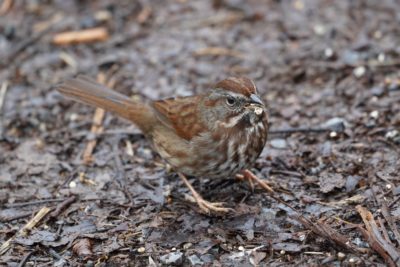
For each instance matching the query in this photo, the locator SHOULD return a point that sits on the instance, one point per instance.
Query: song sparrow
(215, 134)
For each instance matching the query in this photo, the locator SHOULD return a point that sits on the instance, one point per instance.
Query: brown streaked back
(181, 114)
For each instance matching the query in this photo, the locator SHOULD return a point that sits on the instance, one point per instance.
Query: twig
(96, 128)
(24, 230)
(120, 176)
(326, 231)
(251, 176)
(318, 228)
(35, 220)
(389, 220)
(83, 36)
(25, 259)
(300, 130)
(288, 173)
(5, 6)
(384, 231)
(394, 202)
(372, 234)
(144, 14)
(62, 206)
(16, 217)
(377, 174)
(54, 254)
(35, 202)
(3, 91)
(217, 51)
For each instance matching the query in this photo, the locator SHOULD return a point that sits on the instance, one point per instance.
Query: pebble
(187, 245)
(341, 256)
(175, 258)
(374, 114)
(333, 134)
(391, 134)
(328, 53)
(278, 143)
(319, 29)
(381, 57)
(359, 71)
(72, 184)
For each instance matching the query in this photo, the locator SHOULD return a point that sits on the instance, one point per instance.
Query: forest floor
(80, 189)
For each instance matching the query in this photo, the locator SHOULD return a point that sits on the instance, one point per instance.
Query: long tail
(87, 91)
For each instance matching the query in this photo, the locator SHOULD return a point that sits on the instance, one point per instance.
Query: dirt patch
(328, 71)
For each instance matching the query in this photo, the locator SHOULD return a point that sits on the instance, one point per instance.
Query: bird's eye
(230, 100)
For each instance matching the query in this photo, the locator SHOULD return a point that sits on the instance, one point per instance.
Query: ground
(327, 70)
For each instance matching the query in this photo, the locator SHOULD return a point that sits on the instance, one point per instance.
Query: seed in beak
(258, 111)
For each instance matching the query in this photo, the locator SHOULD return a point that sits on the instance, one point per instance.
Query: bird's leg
(205, 206)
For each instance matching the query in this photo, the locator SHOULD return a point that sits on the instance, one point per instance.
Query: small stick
(120, 175)
(96, 128)
(144, 14)
(84, 36)
(36, 202)
(300, 130)
(3, 91)
(217, 51)
(57, 256)
(62, 206)
(390, 221)
(318, 228)
(25, 259)
(35, 220)
(394, 202)
(5, 6)
(16, 217)
(372, 233)
(24, 230)
(251, 176)
(384, 231)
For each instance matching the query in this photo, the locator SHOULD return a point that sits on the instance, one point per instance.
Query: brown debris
(83, 248)
(26, 229)
(144, 14)
(5, 6)
(62, 206)
(99, 34)
(377, 242)
(217, 51)
(96, 129)
(332, 93)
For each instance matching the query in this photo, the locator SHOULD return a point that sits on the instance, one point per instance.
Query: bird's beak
(255, 99)
(256, 105)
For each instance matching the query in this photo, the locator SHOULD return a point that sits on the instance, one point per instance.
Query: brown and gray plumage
(214, 134)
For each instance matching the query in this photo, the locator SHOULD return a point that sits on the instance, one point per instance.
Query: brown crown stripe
(241, 85)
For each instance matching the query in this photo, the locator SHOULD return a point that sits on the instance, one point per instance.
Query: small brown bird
(215, 134)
